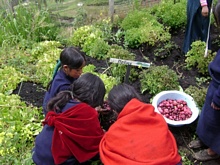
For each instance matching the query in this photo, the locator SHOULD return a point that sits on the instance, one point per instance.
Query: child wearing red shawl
(140, 136)
(71, 132)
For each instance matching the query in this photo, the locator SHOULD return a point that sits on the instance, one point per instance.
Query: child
(72, 132)
(209, 120)
(139, 135)
(72, 62)
(198, 20)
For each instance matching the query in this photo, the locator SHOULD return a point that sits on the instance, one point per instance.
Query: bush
(27, 24)
(195, 57)
(119, 70)
(157, 79)
(141, 27)
(19, 124)
(198, 94)
(175, 18)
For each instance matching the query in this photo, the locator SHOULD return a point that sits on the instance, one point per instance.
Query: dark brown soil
(33, 93)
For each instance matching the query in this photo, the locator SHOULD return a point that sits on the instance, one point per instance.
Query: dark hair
(88, 88)
(120, 95)
(72, 57)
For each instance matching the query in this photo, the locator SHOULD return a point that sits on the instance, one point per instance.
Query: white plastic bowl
(177, 95)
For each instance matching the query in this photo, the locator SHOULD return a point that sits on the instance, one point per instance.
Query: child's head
(88, 88)
(72, 61)
(120, 95)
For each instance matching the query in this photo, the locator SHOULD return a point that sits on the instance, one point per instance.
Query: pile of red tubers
(174, 109)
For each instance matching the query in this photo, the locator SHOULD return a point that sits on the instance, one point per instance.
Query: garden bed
(33, 93)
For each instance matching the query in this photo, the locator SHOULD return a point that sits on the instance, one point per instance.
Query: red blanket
(77, 132)
(140, 136)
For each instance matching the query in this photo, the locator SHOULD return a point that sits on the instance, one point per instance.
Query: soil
(33, 93)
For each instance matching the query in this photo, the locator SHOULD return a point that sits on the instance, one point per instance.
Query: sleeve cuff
(203, 3)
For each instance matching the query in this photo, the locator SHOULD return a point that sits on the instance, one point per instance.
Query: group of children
(72, 133)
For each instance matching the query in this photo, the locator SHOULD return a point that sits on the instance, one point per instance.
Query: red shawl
(77, 132)
(140, 136)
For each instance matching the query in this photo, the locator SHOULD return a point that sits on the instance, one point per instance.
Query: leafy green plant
(175, 18)
(10, 78)
(195, 57)
(157, 79)
(150, 31)
(198, 94)
(19, 124)
(135, 19)
(89, 68)
(109, 82)
(118, 70)
(164, 49)
(27, 24)
(118, 36)
(46, 54)
(105, 26)
(17, 58)
(92, 41)
(85, 33)
(97, 49)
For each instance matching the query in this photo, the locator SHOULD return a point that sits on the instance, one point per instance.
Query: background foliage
(32, 38)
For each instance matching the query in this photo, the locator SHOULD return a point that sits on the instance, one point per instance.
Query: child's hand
(214, 106)
(205, 11)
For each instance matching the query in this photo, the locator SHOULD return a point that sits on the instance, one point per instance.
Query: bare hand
(214, 106)
(205, 11)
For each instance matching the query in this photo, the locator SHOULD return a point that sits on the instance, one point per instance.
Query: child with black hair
(72, 132)
(139, 136)
(71, 64)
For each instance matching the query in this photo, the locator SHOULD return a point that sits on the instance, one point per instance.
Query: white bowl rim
(173, 122)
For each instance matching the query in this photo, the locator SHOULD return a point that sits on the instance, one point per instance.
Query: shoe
(195, 144)
(204, 156)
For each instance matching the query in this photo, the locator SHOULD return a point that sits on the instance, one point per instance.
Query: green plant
(184, 156)
(151, 32)
(175, 18)
(202, 80)
(117, 37)
(28, 23)
(105, 26)
(109, 82)
(89, 68)
(118, 70)
(81, 34)
(157, 79)
(46, 54)
(19, 124)
(91, 40)
(17, 58)
(198, 94)
(195, 57)
(135, 19)
(80, 17)
(164, 49)
(10, 78)
(97, 49)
